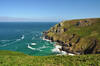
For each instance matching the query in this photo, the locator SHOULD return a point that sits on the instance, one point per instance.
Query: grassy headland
(77, 36)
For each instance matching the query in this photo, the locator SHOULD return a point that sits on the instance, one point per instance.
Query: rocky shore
(80, 36)
(60, 46)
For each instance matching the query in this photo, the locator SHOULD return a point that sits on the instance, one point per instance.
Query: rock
(91, 48)
(76, 36)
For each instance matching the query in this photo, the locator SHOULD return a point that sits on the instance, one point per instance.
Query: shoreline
(58, 48)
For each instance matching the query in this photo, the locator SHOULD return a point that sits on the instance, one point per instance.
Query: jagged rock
(77, 36)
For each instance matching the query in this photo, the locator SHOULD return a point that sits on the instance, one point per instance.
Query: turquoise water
(25, 37)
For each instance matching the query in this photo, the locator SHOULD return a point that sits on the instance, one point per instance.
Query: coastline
(58, 47)
(74, 37)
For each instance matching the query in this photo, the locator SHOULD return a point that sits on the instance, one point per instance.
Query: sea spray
(57, 49)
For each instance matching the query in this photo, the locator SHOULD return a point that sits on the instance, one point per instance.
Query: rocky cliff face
(77, 36)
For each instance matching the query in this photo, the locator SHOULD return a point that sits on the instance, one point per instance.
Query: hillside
(80, 36)
(9, 58)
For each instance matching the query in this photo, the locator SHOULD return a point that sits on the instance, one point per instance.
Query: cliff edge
(80, 36)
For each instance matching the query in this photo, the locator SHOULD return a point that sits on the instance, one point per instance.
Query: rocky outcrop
(77, 36)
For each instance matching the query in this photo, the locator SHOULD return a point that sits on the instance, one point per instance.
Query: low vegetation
(9, 58)
(77, 36)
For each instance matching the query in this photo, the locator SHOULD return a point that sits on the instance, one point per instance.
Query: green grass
(11, 53)
(9, 58)
(87, 31)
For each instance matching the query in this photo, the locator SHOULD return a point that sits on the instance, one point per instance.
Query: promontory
(78, 36)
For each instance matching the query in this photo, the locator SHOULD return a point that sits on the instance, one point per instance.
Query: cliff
(80, 36)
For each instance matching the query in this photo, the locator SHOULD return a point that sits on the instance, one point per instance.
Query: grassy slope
(9, 58)
(87, 34)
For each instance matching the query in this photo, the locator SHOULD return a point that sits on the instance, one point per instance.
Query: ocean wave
(30, 47)
(38, 49)
(46, 39)
(33, 38)
(13, 40)
(63, 52)
(10, 42)
(57, 49)
(42, 47)
(4, 45)
(71, 54)
(33, 43)
(22, 37)
(16, 40)
(60, 52)
(5, 40)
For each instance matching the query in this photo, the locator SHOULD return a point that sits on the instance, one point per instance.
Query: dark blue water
(25, 37)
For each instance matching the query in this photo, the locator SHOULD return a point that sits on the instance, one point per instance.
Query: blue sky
(48, 10)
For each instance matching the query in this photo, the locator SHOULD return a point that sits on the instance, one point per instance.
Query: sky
(48, 10)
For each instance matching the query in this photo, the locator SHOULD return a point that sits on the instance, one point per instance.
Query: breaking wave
(57, 49)
(43, 47)
(30, 47)
(46, 39)
(4, 40)
(33, 43)
(60, 52)
(38, 49)
(9, 42)
(22, 37)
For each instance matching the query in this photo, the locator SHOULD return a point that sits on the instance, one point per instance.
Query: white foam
(30, 47)
(63, 53)
(46, 39)
(60, 52)
(39, 49)
(18, 39)
(4, 40)
(5, 45)
(33, 43)
(57, 49)
(22, 37)
(43, 47)
(71, 54)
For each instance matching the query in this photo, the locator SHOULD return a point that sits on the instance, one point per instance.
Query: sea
(26, 37)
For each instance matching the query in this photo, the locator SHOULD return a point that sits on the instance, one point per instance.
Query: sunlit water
(25, 37)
